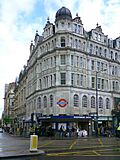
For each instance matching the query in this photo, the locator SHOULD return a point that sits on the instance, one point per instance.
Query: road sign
(62, 102)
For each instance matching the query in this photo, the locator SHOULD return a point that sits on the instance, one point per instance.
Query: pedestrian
(118, 131)
(102, 131)
(61, 131)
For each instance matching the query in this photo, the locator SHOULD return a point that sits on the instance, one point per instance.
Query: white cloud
(106, 13)
(15, 37)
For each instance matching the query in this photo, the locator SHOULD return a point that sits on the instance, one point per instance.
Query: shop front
(67, 122)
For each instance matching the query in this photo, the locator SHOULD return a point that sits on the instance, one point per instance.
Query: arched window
(92, 102)
(39, 102)
(84, 101)
(100, 102)
(76, 100)
(62, 41)
(107, 103)
(51, 100)
(45, 101)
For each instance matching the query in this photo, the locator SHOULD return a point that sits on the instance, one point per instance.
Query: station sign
(62, 102)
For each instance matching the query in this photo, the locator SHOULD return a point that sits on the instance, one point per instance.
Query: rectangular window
(98, 66)
(75, 28)
(113, 85)
(54, 79)
(63, 59)
(78, 28)
(81, 62)
(51, 59)
(96, 36)
(81, 80)
(50, 80)
(78, 79)
(93, 82)
(102, 84)
(98, 83)
(63, 78)
(72, 78)
(72, 60)
(40, 84)
(93, 65)
(54, 60)
(102, 66)
(106, 85)
(77, 61)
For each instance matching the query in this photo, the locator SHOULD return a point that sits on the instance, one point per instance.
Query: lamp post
(97, 110)
(96, 104)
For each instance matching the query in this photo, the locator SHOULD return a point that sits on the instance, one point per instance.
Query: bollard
(33, 142)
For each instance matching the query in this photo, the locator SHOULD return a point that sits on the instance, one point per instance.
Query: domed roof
(63, 13)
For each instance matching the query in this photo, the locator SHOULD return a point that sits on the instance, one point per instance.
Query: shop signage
(62, 102)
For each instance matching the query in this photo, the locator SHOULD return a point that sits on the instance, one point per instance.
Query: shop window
(84, 101)
(76, 100)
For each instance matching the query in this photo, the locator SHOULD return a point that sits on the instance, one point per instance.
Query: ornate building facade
(72, 75)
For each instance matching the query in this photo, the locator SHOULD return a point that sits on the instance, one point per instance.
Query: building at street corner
(71, 75)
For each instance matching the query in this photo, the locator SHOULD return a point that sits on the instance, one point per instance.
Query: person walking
(118, 131)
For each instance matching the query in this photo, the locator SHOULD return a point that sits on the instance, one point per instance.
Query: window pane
(84, 101)
(63, 59)
(107, 103)
(45, 101)
(63, 78)
(51, 100)
(92, 102)
(62, 41)
(100, 102)
(76, 100)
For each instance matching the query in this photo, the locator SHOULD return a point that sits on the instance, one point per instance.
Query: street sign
(62, 102)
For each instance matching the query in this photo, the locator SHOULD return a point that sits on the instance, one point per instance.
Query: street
(94, 148)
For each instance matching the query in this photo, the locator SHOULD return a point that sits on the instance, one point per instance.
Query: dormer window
(99, 37)
(75, 28)
(62, 41)
(78, 28)
(96, 36)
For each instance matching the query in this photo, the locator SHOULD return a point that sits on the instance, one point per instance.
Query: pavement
(47, 145)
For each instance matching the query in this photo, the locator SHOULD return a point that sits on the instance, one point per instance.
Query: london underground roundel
(62, 102)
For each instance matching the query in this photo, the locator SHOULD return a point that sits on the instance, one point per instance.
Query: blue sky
(19, 20)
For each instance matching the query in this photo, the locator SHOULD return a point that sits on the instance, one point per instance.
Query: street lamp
(97, 111)
(96, 104)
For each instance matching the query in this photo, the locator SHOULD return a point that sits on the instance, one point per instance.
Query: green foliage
(7, 120)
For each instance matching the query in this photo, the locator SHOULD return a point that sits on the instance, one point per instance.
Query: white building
(62, 69)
